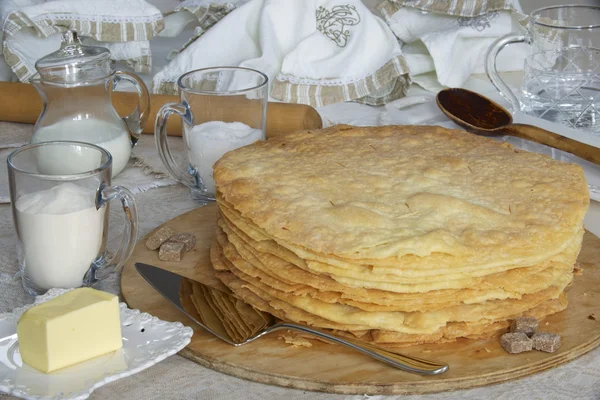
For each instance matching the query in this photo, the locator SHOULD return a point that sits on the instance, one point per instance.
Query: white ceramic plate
(146, 341)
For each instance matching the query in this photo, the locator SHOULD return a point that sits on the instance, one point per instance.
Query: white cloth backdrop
(178, 378)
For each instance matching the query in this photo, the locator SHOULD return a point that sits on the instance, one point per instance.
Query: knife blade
(167, 284)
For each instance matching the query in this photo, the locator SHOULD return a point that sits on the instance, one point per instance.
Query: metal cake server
(237, 323)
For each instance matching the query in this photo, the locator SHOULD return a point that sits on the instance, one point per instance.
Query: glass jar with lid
(76, 83)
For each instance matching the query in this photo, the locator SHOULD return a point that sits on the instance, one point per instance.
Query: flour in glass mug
(209, 141)
(61, 234)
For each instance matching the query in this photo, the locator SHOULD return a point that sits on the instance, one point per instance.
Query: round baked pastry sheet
(332, 368)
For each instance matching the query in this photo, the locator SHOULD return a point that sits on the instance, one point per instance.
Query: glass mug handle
(160, 136)
(137, 119)
(492, 71)
(103, 266)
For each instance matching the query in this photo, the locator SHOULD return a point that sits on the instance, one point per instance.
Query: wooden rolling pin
(20, 102)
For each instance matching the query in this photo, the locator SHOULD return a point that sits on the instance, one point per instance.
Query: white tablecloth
(178, 378)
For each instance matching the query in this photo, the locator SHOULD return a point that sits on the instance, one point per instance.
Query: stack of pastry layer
(398, 235)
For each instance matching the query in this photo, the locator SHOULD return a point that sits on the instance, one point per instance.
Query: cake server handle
(400, 361)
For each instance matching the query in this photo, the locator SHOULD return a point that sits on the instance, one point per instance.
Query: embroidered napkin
(32, 29)
(446, 41)
(314, 52)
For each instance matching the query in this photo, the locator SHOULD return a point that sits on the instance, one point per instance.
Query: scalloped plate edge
(127, 314)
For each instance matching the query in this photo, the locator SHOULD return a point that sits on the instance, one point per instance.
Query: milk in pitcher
(112, 138)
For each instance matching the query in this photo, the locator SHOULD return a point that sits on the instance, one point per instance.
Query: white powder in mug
(209, 141)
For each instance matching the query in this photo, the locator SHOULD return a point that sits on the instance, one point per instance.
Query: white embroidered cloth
(314, 51)
(32, 28)
(445, 48)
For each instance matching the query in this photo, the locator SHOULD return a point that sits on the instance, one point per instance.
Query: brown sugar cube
(516, 342)
(186, 238)
(171, 251)
(548, 342)
(526, 325)
(159, 237)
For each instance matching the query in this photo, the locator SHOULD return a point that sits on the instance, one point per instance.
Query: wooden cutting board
(332, 368)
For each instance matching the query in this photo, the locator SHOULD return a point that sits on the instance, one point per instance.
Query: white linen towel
(6, 6)
(32, 29)
(314, 52)
(451, 38)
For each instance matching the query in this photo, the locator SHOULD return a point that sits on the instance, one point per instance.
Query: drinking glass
(60, 193)
(222, 109)
(562, 74)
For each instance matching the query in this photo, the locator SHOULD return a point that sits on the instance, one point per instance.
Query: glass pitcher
(76, 83)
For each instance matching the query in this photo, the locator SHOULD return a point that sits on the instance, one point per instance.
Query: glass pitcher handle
(106, 264)
(137, 119)
(492, 71)
(162, 146)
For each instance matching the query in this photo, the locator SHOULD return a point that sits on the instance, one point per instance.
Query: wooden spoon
(480, 115)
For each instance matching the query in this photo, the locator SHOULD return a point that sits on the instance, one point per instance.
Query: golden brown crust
(505, 284)
(389, 192)
(397, 235)
(425, 322)
(452, 331)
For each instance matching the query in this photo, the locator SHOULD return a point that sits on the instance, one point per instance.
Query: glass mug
(222, 109)
(60, 193)
(562, 74)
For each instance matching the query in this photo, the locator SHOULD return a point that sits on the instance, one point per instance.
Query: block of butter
(76, 326)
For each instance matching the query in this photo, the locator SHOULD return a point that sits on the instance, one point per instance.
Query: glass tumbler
(562, 74)
(60, 193)
(222, 109)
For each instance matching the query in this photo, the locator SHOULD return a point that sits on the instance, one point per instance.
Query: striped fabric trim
(208, 15)
(459, 8)
(388, 83)
(141, 65)
(20, 69)
(105, 31)
(388, 9)
(164, 88)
